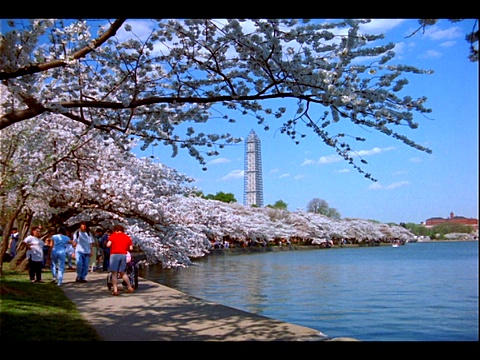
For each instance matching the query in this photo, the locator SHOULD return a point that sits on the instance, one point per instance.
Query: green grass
(39, 311)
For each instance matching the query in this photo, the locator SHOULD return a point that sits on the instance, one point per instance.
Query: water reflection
(417, 292)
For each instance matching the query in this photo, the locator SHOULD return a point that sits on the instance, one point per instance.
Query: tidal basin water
(417, 292)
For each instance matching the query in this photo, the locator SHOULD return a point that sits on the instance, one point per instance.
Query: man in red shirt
(119, 244)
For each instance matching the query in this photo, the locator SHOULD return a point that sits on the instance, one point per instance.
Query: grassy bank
(39, 311)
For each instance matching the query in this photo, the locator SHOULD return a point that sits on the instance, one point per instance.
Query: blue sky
(412, 185)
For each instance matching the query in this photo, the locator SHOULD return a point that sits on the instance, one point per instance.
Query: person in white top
(34, 254)
(82, 241)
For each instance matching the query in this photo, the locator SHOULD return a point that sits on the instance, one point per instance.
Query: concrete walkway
(158, 313)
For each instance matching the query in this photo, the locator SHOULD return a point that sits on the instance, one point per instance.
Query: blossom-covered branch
(293, 75)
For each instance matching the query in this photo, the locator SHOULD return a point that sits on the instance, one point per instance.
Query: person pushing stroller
(119, 244)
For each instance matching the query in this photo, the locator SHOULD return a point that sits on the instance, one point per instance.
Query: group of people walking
(103, 249)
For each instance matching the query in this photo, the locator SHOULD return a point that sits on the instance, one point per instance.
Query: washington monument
(253, 182)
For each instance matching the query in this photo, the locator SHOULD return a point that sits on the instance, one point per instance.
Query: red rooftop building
(452, 219)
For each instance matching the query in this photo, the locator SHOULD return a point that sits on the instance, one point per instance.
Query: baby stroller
(132, 273)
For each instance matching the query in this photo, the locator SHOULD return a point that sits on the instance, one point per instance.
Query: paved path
(158, 313)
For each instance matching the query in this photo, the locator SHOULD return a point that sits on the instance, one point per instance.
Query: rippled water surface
(416, 292)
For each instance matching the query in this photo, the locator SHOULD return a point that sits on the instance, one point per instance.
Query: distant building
(452, 219)
(253, 181)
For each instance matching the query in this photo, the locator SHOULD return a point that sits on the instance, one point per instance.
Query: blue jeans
(83, 260)
(58, 265)
(69, 260)
(106, 259)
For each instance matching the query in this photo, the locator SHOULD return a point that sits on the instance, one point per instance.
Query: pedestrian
(82, 241)
(69, 251)
(34, 254)
(106, 251)
(100, 248)
(47, 249)
(92, 264)
(59, 254)
(119, 244)
(12, 246)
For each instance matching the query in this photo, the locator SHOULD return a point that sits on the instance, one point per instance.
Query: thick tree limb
(33, 69)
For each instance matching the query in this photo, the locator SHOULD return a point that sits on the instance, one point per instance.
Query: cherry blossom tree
(73, 176)
(193, 70)
(74, 105)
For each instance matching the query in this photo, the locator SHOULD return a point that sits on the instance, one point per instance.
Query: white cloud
(140, 27)
(235, 174)
(394, 185)
(448, 43)
(431, 54)
(219, 161)
(308, 162)
(400, 48)
(397, 184)
(374, 151)
(375, 186)
(381, 25)
(435, 33)
(284, 175)
(329, 159)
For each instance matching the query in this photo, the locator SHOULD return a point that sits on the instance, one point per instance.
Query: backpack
(75, 235)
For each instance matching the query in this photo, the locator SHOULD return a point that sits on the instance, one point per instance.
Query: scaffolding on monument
(253, 181)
